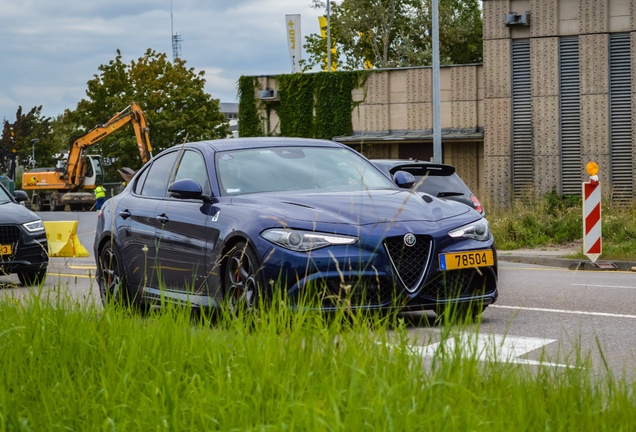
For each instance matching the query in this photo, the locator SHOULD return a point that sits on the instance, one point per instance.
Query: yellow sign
(322, 21)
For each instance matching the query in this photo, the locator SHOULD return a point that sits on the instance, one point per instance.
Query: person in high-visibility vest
(100, 196)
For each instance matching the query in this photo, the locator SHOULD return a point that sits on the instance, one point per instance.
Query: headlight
(303, 241)
(478, 230)
(34, 226)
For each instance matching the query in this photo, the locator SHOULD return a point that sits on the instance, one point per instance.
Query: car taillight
(477, 204)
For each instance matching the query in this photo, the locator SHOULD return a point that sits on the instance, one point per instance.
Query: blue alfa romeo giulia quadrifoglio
(234, 221)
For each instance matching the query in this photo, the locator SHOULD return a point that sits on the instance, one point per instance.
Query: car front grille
(458, 283)
(350, 293)
(9, 234)
(409, 262)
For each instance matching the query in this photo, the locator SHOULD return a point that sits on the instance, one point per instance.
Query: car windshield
(277, 169)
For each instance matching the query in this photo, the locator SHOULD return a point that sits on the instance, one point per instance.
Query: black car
(231, 221)
(439, 180)
(23, 245)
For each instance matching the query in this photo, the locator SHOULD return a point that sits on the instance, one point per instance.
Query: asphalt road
(544, 315)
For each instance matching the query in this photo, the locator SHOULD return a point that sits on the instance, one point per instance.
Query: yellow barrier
(62, 239)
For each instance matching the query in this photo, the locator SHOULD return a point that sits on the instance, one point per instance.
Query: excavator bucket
(127, 174)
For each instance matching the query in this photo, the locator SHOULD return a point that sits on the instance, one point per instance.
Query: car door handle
(124, 214)
(162, 218)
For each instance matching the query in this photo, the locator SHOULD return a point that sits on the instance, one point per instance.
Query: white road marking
(604, 286)
(572, 312)
(495, 348)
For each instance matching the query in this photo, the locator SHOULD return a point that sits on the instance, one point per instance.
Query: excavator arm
(77, 155)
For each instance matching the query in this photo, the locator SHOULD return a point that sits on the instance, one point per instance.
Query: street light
(328, 37)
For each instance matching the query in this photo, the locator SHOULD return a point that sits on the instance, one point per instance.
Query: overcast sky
(50, 49)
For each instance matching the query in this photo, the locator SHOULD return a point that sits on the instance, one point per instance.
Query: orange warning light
(592, 168)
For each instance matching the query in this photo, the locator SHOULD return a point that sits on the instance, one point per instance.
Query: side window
(192, 166)
(141, 178)
(156, 184)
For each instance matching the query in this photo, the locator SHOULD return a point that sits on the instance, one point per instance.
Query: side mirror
(185, 189)
(20, 195)
(404, 179)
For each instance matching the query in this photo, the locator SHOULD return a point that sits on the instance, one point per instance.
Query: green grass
(553, 220)
(72, 368)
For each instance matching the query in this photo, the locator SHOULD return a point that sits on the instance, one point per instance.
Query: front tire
(113, 288)
(243, 282)
(32, 277)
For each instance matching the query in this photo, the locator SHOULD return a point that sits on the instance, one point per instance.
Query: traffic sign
(592, 242)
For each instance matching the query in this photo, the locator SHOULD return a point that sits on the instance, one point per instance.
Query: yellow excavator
(72, 183)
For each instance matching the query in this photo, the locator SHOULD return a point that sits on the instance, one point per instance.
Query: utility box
(7, 183)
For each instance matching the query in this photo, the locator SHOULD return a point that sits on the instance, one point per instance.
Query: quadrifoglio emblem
(410, 239)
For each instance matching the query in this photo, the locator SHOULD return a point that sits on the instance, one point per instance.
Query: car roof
(228, 144)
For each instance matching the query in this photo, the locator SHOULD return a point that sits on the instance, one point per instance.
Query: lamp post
(328, 37)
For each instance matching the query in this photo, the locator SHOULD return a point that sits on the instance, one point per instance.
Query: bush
(553, 219)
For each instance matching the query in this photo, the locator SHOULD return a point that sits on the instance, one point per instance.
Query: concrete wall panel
(545, 114)
(420, 116)
(419, 85)
(465, 158)
(620, 16)
(398, 116)
(594, 61)
(376, 118)
(462, 83)
(498, 179)
(594, 15)
(595, 128)
(569, 17)
(497, 127)
(497, 58)
(544, 64)
(547, 172)
(377, 87)
(544, 18)
(494, 14)
(397, 87)
(463, 115)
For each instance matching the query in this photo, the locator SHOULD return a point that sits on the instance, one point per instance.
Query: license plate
(5, 249)
(460, 260)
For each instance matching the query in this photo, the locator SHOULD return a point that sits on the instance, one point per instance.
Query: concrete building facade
(556, 89)
(558, 92)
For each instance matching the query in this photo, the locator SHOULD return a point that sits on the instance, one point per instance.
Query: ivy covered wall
(309, 105)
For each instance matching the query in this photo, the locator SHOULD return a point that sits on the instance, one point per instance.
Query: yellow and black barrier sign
(62, 239)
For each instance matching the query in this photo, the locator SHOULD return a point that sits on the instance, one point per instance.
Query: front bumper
(30, 253)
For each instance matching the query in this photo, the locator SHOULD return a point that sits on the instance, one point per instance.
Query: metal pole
(437, 128)
(33, 142)
(328, 37)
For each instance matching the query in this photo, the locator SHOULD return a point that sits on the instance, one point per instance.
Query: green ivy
(296, 92)
(250, 121)
(311, 105)
(334, 105)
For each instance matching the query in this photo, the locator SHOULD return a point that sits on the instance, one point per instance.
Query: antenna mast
(176, 38)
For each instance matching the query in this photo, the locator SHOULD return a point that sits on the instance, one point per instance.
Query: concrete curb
(572, 264)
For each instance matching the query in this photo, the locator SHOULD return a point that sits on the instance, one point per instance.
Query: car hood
(368, 207)
(11, 213)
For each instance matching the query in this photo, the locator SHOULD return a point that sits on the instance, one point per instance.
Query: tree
(398, 33)
(29, 135)
(171, 95)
